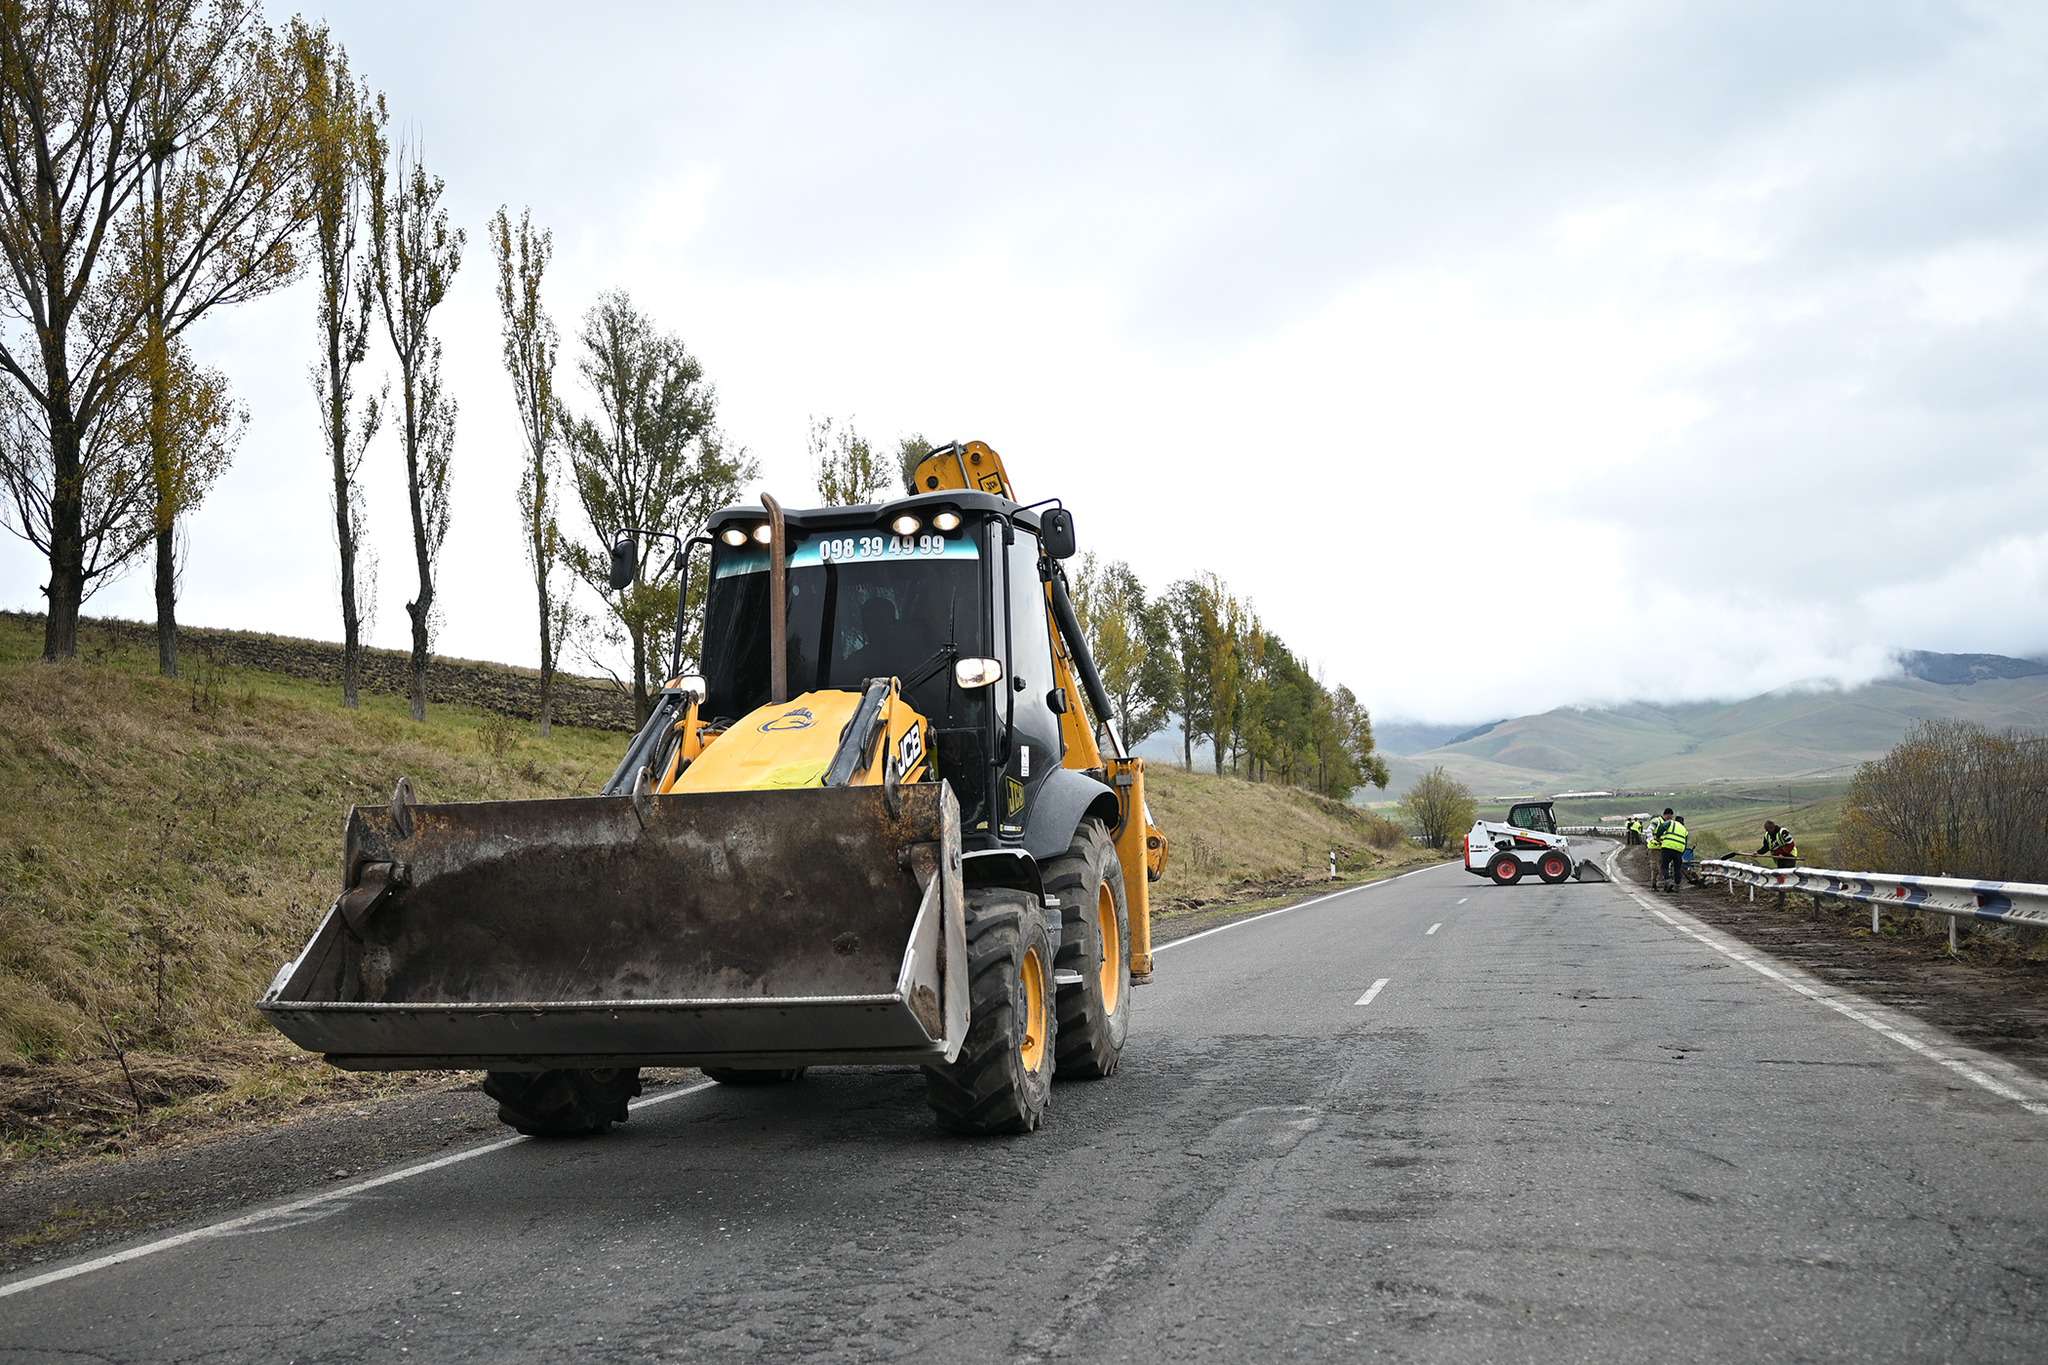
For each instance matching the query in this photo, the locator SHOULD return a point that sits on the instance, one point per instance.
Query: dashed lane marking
(1377, 987)
(1432, 928)
(1463, 899)
(245, 1222)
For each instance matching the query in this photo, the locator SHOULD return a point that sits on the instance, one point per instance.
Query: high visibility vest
(1673, 836)
(1782, 845)
(1657, 827)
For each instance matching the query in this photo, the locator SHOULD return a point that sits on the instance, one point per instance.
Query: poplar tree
(414, 257)
(345, 133)
(531, 348)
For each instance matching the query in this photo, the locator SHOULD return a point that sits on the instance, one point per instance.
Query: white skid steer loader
(1526, 844)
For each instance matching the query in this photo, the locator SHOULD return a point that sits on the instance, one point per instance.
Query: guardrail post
(1951, 935)
(1874, 912)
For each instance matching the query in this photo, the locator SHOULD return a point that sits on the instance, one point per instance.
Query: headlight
(734, 535)
(905, 525)
(972, 673)
(763, 534)
(946, 521)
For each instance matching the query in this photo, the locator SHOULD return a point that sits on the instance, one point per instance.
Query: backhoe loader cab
(912, 590)
(883, 828)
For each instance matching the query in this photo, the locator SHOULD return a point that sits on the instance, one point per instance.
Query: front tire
(1554, 868)
(1002, 1080)
(1505, 870)
(559, 1104)
(1095, 926)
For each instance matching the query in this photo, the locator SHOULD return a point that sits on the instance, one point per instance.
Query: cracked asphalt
(1563, 1129)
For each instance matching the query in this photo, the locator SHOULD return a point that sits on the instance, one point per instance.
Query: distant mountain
(1964, 669)
(1793, 732)
(1412, 737)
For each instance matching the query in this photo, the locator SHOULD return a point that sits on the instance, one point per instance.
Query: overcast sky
(1505, 356)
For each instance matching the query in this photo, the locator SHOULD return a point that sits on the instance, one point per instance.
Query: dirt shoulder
(1993, 995)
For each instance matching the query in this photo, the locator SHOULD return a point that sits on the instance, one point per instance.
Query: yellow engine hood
(793, 744)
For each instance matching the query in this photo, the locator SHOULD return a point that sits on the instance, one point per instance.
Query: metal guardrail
(1956, 897)
(1608, 831)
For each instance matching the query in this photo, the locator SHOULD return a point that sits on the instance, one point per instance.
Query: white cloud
(1506, 357)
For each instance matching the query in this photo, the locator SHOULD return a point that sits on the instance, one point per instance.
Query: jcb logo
(910, 749)
(799, 719)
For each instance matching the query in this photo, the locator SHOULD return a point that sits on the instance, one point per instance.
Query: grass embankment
(1236, 841)
(166, 844)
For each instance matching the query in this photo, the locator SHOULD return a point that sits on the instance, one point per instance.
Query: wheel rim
(1553, 868)
(1031, 1047)
(1111, 971)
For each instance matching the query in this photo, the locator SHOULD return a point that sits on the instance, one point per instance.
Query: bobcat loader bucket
(752, 929)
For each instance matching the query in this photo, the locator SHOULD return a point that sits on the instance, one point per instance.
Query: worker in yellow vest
(1635, 831)
(1671, 843)
(1779, 845)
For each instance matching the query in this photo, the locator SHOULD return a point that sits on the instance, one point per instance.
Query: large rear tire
(1095, 927)
(553, 1104)
(732, 1075)
(1002, 1080)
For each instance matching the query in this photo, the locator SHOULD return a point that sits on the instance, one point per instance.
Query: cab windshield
(861, 605)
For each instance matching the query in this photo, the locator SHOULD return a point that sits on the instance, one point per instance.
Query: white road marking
(1432, 928)
(246, 1221)
(1289, 909)
(1975, 1075)
(1377, 987)
(1463, 899)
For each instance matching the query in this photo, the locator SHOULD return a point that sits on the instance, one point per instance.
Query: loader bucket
(1587, 870)
(750, 929)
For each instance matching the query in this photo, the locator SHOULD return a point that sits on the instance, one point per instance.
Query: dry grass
(1230, 837)
(166, 845)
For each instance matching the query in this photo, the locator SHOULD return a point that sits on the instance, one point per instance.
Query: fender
(1065, 799)
(1010, 867)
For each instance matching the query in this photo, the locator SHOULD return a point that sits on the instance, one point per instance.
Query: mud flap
(748, 929)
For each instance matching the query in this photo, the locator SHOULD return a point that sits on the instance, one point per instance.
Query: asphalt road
(1561, 1127)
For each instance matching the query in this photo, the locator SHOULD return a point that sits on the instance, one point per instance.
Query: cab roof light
(905, 525)
(734, 535)
(947, 521)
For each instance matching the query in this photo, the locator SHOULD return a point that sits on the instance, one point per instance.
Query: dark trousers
(1786, 862)
(1671, 864)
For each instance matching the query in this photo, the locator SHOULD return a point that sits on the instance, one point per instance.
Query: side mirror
(625, 562)
(693, 686)
(1056, 530)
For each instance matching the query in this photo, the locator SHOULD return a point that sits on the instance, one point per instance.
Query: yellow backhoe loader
(890, 821)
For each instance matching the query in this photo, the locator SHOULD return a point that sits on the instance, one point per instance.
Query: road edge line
(246, 1220)
(1864, 1012)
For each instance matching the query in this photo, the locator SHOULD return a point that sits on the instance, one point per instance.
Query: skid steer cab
(1526, 844)
(887, 820)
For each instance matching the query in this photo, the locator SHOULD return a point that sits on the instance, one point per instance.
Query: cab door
(1034, 746)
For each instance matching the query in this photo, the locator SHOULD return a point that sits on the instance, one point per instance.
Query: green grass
(1725, 815)
(167, 844)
